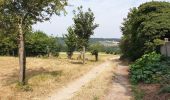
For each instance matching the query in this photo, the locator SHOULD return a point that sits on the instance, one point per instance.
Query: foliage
(150, 68)
(144, 29)
(83, 26)
(97, 46)
(31, 11)
(101, 48)
(54, 47)
(38, 43)
(8, 44)
(112, 50)
(95, 53)
(70, 41)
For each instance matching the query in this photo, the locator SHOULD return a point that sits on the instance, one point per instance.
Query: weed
(165, 89)
(137, 93)
(25, 88)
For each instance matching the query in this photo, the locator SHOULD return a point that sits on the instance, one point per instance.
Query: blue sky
(109, 15)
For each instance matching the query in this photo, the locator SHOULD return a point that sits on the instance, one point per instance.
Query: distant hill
(94, 40)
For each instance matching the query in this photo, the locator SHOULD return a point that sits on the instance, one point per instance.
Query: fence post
(166, 50)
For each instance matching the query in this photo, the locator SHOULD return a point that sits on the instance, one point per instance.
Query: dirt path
(120, 89)
(68, 91)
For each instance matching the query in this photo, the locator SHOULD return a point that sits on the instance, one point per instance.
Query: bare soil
(121, 88)
(151, 92)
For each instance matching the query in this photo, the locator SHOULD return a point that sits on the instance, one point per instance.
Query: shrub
(148, 69)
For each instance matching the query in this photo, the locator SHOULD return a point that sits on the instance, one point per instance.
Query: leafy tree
(95, 48)
(70, 41)
(19, 15)
(83, 27)
(145, 28)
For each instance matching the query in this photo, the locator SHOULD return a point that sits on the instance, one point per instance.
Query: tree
(95, 52)
(95, 48)
(83, 27)
(145, 28)
(53, 46)
(21, 14)
(70, 41)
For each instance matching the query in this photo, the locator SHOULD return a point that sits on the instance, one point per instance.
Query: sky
(108, 14)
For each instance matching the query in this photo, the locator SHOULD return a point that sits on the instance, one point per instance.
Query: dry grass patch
(98, 87)
(43, 75)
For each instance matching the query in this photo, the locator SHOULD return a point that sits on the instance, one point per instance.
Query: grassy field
(43, 75)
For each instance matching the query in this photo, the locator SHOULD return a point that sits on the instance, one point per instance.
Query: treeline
(39, 43)
(36, 44)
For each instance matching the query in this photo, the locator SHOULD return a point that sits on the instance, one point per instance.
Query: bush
(148, 69)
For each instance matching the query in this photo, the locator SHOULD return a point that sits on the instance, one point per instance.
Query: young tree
(70, 40)
(21, 14)
(84, 27)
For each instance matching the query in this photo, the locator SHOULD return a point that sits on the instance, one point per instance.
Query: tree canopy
(145, 28)
(84, 26)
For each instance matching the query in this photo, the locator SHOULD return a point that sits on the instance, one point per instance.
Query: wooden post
(84, 50)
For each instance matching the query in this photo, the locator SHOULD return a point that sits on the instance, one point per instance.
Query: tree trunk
(22, 58)
(84, 50)
(96, 56)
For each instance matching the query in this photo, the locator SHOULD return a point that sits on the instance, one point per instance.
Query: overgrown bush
(150, 68)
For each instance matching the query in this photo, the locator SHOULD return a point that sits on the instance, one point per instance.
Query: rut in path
(121, 88)
(69, 91)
